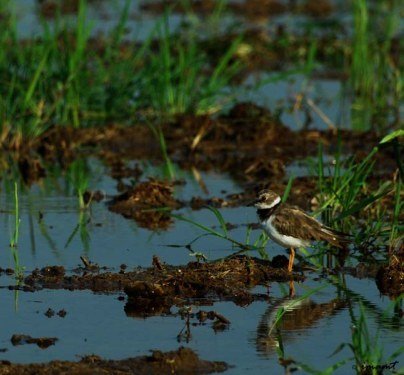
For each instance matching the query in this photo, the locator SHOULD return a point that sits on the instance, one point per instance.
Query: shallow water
(245, 344)
(54, 231)
(311, 330)
(331, 107)
(64, 232)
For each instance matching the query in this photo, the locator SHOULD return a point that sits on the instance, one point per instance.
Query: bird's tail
(335, 237)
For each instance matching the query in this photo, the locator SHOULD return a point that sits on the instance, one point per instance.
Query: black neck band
(265, 213)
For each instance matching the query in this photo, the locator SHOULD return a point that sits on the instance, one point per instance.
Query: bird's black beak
(252, 203)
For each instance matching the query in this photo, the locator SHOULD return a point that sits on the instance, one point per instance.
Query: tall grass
(375, 77)
(345, 194)
(366, 348)
(66, 78)
(368, 352)
(179, 79)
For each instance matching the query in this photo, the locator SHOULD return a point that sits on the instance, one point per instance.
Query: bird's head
(266, 199)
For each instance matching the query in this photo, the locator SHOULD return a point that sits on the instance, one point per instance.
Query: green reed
(222, 233)
(61, 79)
(368, 352)
(374, 75)
(259, 243)
(16, 233)
(179, 79)
(346, 194)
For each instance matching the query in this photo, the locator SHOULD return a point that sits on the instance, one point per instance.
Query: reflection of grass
(79, 176)
(292, 304)
(16, 234)
(82, 228)
(366, 347)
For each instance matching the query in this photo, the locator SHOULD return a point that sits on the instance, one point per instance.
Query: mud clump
(318, 8)
(42, 342)
(53, 271)
(142, 203)
(181, 361)
(258, 9)
(229, 279)
(390, 278)
(154, 290)
(31, 169)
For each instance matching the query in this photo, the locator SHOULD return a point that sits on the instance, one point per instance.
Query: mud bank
(181, 361)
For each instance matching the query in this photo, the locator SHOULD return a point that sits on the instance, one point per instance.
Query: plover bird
(291, 227)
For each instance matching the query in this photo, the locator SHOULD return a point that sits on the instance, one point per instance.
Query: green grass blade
(35, 79)
(287, 189)
(220, 219)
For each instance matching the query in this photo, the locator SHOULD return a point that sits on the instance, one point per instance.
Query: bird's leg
(290, 268)
(291, 289)
(291, 259)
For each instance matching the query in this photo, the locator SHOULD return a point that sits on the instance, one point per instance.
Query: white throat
(266, 206)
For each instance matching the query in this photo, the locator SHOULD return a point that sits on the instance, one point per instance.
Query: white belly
(281, 239)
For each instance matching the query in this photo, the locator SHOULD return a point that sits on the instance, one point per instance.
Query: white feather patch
(281, 239)
(266, 206)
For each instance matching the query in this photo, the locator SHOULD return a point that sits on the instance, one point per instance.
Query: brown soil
(251, 9)
(42, 342)
(143, 202)
(182, 361)
(249, 143)
(156, 289)
(390, 278)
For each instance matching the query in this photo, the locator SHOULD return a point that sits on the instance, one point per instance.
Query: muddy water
(310, 331)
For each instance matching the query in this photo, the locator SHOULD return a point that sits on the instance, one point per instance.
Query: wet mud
(251, 9)
(41, 342)
(390, 277)
(224, 144)
(182, 361)
(148, 203)
(156, 289)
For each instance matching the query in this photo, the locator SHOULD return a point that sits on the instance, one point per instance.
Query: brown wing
(292, 221)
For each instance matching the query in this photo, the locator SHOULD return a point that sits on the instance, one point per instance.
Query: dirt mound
(390, 278)
(154, 290)
(146, 204)
(181, 361)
